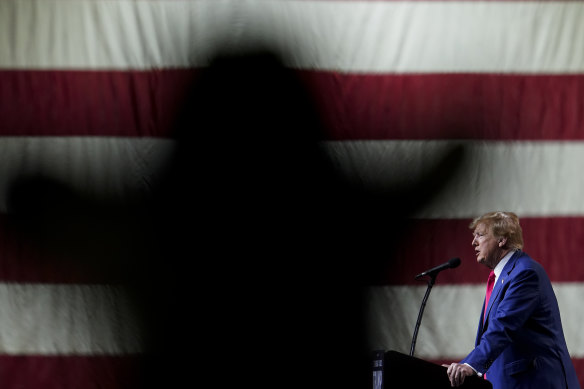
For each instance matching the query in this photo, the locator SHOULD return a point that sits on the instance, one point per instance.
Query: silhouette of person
(248, 260)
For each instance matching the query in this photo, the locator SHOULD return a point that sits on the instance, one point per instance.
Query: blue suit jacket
(521, 343)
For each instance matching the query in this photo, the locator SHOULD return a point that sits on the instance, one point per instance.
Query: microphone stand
(431, 282)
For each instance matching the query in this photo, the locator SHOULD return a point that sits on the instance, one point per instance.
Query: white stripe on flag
(108, 166)
(532, 178)
(449, 323)
(541, 178)
(352, 36)
(67, 319)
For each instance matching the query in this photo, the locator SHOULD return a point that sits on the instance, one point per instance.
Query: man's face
(487, 247)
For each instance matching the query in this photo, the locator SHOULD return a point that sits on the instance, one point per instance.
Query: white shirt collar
(499, 268)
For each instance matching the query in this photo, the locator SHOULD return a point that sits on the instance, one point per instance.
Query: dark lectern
(392, 369)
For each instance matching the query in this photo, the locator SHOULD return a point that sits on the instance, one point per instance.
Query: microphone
(452, 263)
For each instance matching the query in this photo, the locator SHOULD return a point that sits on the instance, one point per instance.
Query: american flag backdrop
(89, 95)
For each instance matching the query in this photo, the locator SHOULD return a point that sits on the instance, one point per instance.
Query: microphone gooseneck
(433, 273)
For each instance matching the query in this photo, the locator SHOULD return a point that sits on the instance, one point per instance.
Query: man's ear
(502, 242)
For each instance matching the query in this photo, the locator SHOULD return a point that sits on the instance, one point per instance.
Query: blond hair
(502, 225)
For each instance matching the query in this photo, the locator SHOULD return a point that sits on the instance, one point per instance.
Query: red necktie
(490, 284)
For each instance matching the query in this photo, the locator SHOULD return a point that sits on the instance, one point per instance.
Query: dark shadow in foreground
(248, 261)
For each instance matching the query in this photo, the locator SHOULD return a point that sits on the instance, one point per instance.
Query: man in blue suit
(520, 341)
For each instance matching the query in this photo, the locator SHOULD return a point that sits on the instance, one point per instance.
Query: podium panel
(392, 369)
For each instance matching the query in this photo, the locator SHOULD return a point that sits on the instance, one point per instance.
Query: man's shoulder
(523, 257)
(522, 260)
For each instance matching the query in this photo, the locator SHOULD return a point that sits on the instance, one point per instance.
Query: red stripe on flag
(352, 106)
(29, 259)
(451, 106)
(553, 242)
(100, 103)
(57, 372)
